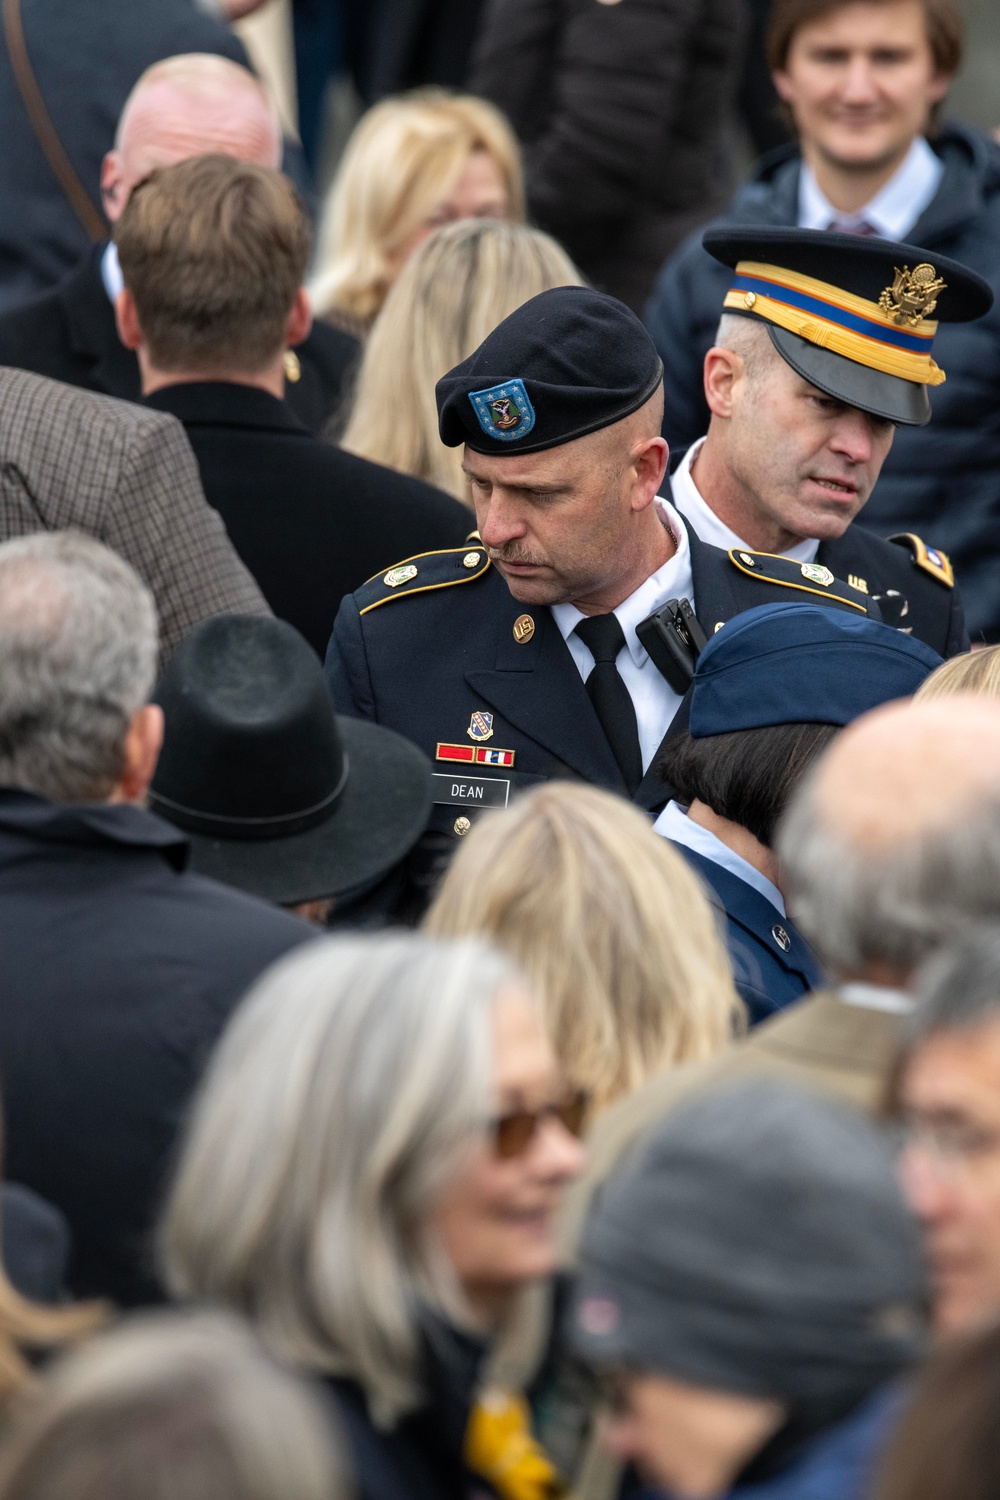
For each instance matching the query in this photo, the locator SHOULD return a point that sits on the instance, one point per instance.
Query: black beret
(852, 314)
(566, 363)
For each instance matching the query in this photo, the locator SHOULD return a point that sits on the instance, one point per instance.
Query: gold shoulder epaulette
(804, 578)
(937, 564)
(421, 574)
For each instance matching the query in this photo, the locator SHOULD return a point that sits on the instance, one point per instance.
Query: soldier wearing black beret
(527, 654)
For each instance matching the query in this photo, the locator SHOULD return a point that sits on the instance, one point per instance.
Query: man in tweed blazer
(127, 476)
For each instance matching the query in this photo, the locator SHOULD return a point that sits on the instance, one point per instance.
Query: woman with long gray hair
(370, 1174)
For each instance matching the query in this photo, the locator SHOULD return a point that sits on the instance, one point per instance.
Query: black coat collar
(221, 403)
(91, 330)
(90, 825)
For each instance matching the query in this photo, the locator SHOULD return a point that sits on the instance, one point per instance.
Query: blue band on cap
(504, 411)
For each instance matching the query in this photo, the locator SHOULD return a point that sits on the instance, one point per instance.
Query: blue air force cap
(802, 664)
(568, 362)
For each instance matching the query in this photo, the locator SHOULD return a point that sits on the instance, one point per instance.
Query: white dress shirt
(674, 823)
(895, 208)
(111, 272)
(708, 526)
(653, 698)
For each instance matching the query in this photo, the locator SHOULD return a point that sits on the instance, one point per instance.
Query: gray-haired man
(117, 969)
(949, 1099)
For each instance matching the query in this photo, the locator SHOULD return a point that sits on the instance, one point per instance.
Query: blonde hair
(173, 1407)
(333, 1112)
(610, 927)
(973, 672)
(401, 162)
(454, 291)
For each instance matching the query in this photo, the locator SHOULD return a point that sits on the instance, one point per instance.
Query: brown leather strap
(45, 132)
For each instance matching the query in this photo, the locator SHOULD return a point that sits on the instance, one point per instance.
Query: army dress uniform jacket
(438, 649)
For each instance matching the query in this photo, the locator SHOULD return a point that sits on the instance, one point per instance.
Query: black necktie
(604, 638)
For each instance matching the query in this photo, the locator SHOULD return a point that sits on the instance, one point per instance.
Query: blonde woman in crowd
(609, 925)
(972, 672)
(371, 1173)
(172, 1407)
(413, 163)
(452, 292)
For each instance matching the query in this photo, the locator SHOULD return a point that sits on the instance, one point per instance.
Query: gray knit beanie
(759, 1244)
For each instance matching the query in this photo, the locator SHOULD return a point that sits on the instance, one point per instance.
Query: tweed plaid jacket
(127, 476)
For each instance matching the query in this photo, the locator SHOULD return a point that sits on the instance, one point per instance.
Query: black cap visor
(380, 815)
(902, 401)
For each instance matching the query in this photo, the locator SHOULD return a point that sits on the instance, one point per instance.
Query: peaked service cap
(567, 362)
(851, 314)
(802, 664)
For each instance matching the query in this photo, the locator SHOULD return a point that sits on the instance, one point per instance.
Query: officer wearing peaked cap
(528, 653)
(825, 346)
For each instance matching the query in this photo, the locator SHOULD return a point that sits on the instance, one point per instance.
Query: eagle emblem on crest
(913, 295)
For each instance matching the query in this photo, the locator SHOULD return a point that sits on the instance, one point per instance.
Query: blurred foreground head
(747, 1284)
(376, 1156)
(892, 847)
(610, 926)
(173, 1408)
(947, 1094)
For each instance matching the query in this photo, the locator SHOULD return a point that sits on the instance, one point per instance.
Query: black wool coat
(118, 971)
(68, 333)
(311, 522)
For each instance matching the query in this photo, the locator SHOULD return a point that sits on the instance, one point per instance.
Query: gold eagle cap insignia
(913, 295)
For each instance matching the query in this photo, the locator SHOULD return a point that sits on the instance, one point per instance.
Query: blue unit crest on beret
(504, 411)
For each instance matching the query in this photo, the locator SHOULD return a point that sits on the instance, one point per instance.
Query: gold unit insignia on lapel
(480, 726)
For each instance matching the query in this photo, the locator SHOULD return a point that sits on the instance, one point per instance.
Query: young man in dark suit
(212, 253)
(181, 107)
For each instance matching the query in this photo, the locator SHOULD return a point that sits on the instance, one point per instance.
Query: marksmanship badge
(504, 411)
(912, 296)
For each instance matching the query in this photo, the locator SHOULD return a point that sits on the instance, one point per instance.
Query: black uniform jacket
(118, 971)
(311, 522)
(431, 643)
(69, 334)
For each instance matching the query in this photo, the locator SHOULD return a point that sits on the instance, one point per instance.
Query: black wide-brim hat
(851, 314)
(277, 794)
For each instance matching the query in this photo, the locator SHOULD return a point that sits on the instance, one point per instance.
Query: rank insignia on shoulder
(476, 755)
(814, 579)
(423, 574)
(480, 725)
(930, 559)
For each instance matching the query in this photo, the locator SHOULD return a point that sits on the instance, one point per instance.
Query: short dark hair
(747, 775)
(213, 251)
(943, 19)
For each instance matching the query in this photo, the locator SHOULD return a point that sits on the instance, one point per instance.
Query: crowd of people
(500, 763)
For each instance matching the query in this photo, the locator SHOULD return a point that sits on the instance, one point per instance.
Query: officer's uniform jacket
(440, 639)
(773, 965)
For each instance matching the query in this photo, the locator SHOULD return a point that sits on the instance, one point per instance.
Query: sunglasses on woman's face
(514, 1133)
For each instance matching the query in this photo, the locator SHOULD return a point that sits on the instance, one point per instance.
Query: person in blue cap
(561, 640)
(770, 691)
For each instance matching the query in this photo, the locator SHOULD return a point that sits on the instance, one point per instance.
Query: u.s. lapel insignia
(524, 629)
(781, 937)
(861, 584)
(816, 573)
(480, 725)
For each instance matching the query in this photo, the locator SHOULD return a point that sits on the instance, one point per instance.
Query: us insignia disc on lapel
(480, 725)
(524, 629)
